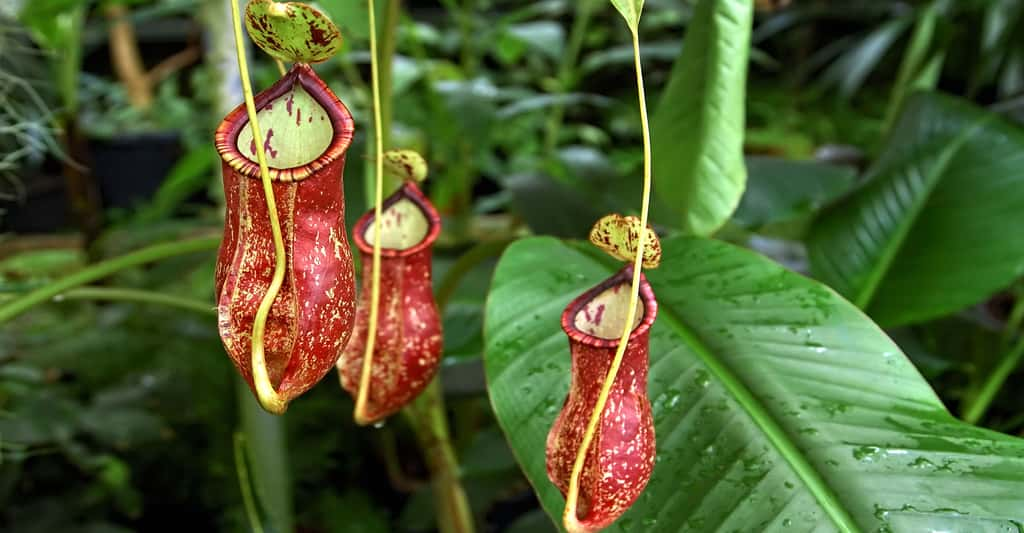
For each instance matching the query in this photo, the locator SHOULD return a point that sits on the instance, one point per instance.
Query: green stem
(426, 416)
(463, 16)
(382, 55)
(266, 446)
(975, 407)
(378, 200)
(242, 470)
(979, 404)
(566, 76)
(914, 61)
(1013, 322)
(113, 294)
(103, 269)
(463, 265)
(267, 439)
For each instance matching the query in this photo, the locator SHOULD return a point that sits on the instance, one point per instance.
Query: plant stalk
(382, 56)
(114, 294)
(566, 76)
(245, 486)
(426, 416)
(975, 407)
(103, 269)
(126, 58)
(266, 446)
(378, 200)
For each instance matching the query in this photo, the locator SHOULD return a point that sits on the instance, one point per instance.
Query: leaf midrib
(774, 432)
(893, 245)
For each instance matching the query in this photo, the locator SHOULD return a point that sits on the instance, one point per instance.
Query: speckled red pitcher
(407, 349)
(307, 131)
(621, 455)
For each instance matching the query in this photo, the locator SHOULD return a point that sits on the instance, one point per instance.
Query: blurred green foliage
(119, 416)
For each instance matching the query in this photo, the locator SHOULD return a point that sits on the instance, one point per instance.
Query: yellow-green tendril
(569, 517)
(360, 414)
(265, 393)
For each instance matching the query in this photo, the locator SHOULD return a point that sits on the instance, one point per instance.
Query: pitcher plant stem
(360, 414)
(975, 407)
(268, 397)
(103, 269)
(245, 486)
(120, 294)
(569, 516)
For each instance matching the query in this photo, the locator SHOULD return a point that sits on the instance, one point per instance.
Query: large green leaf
(697, 130)
(778, 405)
(780, 190)
(937, 225)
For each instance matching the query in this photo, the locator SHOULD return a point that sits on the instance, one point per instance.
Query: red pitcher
(407, 349)
(621, 455)
(307, 131)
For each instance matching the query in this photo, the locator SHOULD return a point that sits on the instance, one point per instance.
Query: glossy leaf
(780, 190)
(778, 405)
(697, 129)
(937, 225)
(292, 31)
(630, 10)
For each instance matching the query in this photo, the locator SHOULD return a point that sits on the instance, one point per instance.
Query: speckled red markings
(312, 317)
(621, 457)
(407, 350)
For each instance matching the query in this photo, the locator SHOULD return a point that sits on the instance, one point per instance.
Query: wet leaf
(778, 405)
(936, 226)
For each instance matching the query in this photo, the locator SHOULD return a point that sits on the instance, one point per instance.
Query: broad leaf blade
(778, 405)
(937, 225)
(781, 190)
(630, 10)
(697, 130)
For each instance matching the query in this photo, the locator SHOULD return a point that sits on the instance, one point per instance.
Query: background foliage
(880, 149)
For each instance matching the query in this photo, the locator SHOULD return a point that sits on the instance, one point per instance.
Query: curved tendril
(268, 397)
(569, 517)
(360, 415)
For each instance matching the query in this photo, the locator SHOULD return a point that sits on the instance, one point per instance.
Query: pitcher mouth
(648, 307)
(408, 192)
(226, 136)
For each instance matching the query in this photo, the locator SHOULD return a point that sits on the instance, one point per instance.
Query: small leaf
(630, 10)
(405, 165)
(618, 235)
(292, 31)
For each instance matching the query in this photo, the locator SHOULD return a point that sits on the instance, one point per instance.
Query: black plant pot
(42, 209)
(129, 168)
